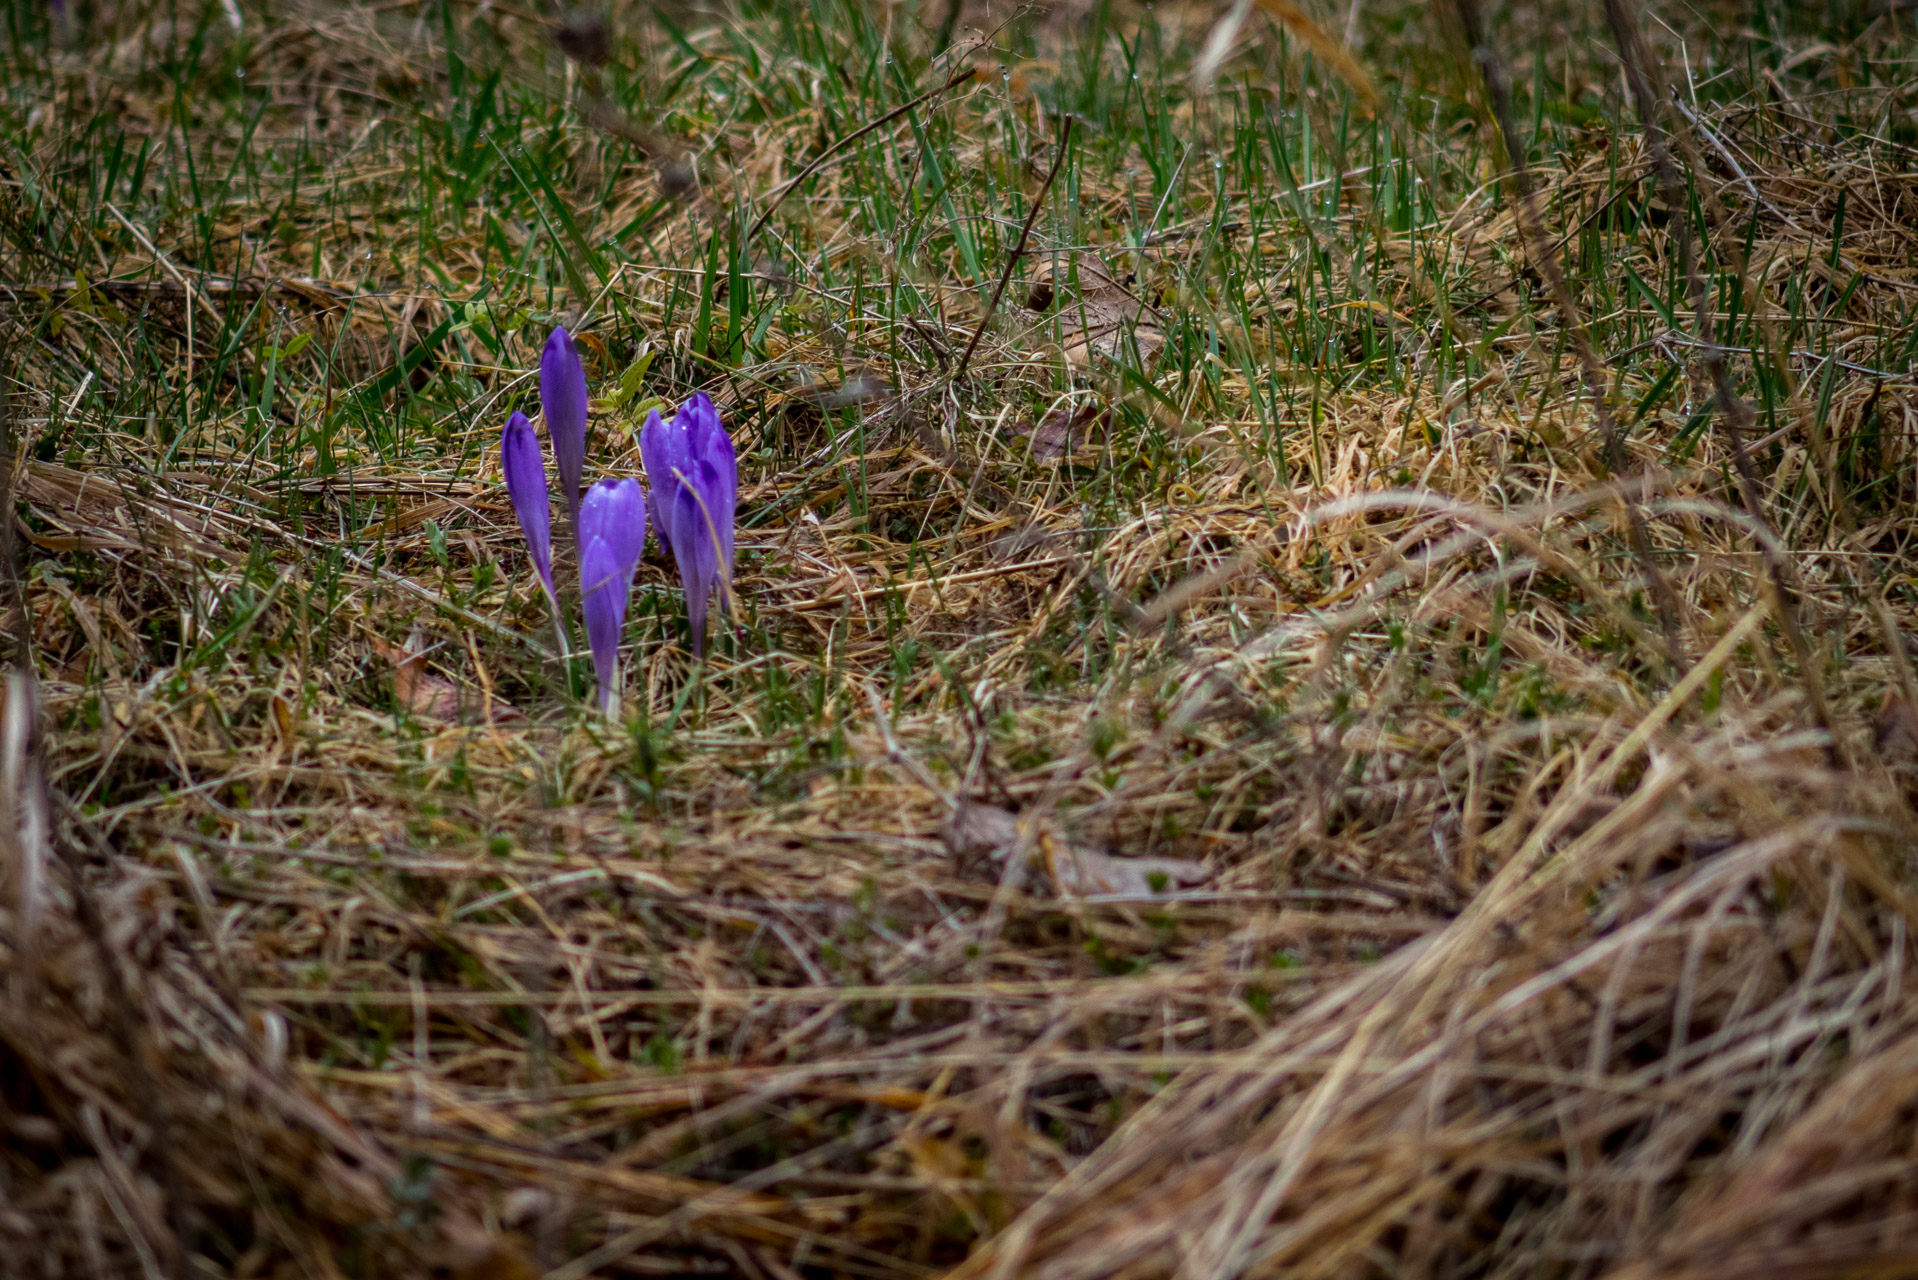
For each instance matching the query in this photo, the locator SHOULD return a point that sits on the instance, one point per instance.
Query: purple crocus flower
(526, 486)
(612, 529)
(562, 400)
(694, 477)
(615, 510)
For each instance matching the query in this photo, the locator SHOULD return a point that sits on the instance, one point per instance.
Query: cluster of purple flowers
(692, 486)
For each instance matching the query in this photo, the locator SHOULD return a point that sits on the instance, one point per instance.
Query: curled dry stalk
(1736, 413)
(1591, 365)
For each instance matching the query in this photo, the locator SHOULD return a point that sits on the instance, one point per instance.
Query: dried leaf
(1060, 433)
(425, 694)
(1088, 872)
(980, 832)
(505, 1261)
(1102, 321)
(1016, 544)
(945, 1165)
(283, 719)
(416, 688)
(862, 386)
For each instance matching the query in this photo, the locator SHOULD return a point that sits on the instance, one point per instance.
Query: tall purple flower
(562, 400)
(526, 486)
(694, 478)
(612, 529)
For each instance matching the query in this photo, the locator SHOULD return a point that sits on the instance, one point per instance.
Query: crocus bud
(562, 399)
(526, 486)
(694, 479)
(718, 477)
(616, 511)
(604, 604)
(612, 523)
(658, 455)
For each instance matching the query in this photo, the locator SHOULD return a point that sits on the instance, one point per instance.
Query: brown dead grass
(339, 960)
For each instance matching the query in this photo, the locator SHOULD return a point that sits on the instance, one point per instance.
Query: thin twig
(1018, 250)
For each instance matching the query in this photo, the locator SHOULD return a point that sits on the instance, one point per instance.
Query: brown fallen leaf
(1060, 433)
(861, 386)
(425, 694)
(1088, 872)
(977, 834)
(1101, 321)
(505, 1261)
(1018, 544)
(948, 1168)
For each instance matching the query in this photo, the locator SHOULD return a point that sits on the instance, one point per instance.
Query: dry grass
(1556, 901)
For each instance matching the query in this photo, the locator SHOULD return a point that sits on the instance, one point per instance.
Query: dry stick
(1018, 250)
(1737, 414)
(785, 188)
(1591, 366)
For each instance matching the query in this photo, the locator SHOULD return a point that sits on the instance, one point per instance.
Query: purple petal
(698, 417)
(698, 565)
(694, 478)
(656, 455)
(562, 399)
(658, 526)
(718, 471)
(604, 589)
(526, 486)
(615, 510)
